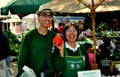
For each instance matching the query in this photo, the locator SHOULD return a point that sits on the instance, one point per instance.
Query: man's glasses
(45, 15)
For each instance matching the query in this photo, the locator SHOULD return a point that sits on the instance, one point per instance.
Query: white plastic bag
(4, 70)
(28, 72)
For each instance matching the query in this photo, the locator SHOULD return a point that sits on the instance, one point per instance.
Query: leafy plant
(13, 42)
(102, 27)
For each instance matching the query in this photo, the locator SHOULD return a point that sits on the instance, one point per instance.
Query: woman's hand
(59, 43)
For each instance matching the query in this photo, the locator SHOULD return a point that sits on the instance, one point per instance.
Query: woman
(75, 54)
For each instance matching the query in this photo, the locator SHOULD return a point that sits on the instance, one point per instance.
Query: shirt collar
(73, 49)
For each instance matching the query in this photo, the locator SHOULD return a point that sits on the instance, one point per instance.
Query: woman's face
(71, 34)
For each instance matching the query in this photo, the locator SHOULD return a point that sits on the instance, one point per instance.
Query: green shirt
(36, 48)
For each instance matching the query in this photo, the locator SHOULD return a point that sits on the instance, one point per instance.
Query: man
(36, 47)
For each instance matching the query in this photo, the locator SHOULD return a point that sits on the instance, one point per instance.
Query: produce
(57, 40)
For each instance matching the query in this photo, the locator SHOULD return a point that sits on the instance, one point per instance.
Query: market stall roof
(13, 18)
(74, 6)
(23, 6)
(30, 18)
(65, 6)
(106, 6)
(3, 17)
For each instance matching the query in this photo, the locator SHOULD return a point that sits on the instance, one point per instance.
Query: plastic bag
(28, 72)
(4, 70)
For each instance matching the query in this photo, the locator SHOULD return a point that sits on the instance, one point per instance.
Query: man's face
(45, 19)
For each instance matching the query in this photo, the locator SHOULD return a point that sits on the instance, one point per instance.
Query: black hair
(88, 45)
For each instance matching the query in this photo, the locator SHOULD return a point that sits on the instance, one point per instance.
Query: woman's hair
(67, 26)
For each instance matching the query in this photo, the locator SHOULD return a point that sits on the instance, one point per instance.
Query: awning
(13, 18)
(74, 6)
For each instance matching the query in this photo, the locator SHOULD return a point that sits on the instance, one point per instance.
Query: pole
(92, 8)
(34, 21)
(94, 32)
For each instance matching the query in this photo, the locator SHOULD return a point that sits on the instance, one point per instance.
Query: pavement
(13, 67)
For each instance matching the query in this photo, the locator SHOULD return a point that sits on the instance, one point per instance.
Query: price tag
(90, 73)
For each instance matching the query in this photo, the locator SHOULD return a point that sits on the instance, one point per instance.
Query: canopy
(23, 6)
(65, 6)
(13, 18)
(31, 18)
(106, 6)
(74, 6)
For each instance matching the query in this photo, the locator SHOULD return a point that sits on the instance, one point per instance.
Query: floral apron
(73, 64)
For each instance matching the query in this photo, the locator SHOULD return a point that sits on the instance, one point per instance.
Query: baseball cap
(41, 10)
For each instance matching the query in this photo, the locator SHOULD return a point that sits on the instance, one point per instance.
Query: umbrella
(65, 6)
(106, 6)
(74, 6)
(23, 6)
